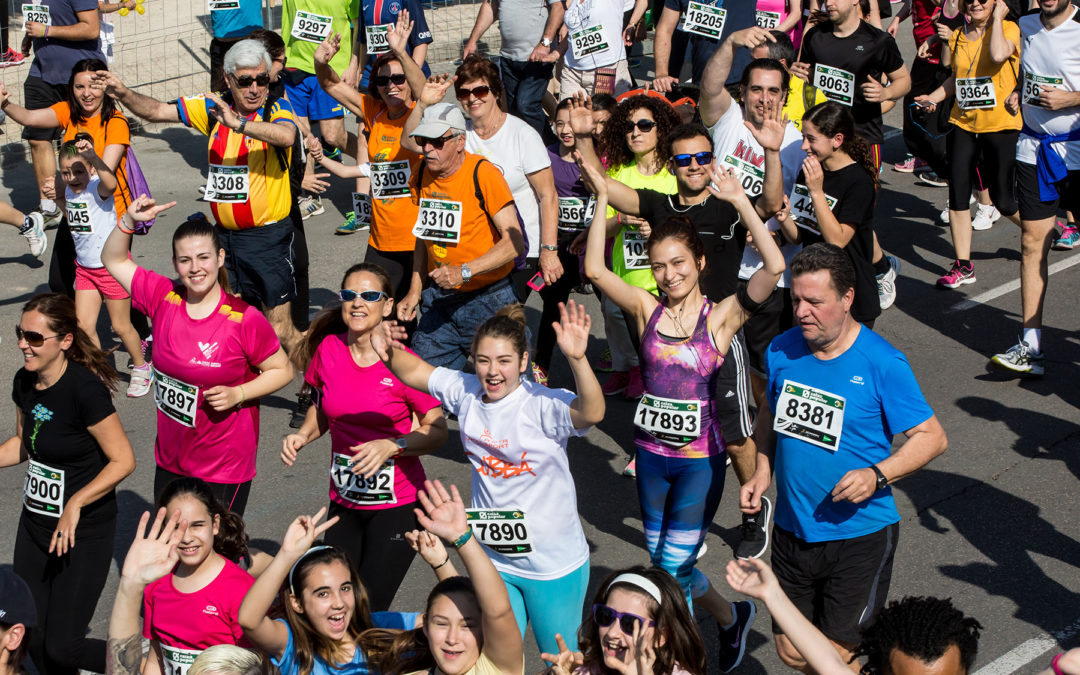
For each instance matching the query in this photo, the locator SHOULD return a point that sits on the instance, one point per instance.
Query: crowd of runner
(726, 224)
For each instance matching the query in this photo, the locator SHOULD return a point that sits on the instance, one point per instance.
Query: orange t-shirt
(392, 218)
(478, 233)
(116, 132)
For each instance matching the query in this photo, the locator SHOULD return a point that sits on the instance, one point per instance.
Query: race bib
(704, 20)
(809, 414)
(38, 13)
(1031, 84)
(177, 660)
(802, 208)
(43, 489)
(575, 214)
(750, 177)
(975, 93)
(673, 421)
(376, 38)
(767, 20)
(361, 206)
(311, 27)
(439, 220)
(377, 489)
(78, 217)
(837, 84)
(220, 5)
(227, 184)
(588, 41)
(177, 400)
(390, 180)
(502, 531)
(634, 253)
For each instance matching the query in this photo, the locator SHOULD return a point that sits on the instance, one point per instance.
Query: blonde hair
(226, 660)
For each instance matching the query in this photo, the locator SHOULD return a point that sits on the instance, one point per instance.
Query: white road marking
(1027, 651)
(1010, 286)
(892, 133)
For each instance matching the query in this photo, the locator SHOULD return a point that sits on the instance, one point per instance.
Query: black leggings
(300, 305)
(997, 167)
(375, 541)
(552, 295)
(233, 496)
(66, 592)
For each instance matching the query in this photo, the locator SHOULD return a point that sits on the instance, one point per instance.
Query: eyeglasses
(347, 295)
(479, 92)
(32, 337)
(245, 81)
(604, 616)
(643, 125)
(702, 159)
(385, 80)
(435, 143)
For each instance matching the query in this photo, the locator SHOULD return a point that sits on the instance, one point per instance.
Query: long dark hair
(108, 106)
(231, 541)
(59, 312)
(613, 145)
(831, 118)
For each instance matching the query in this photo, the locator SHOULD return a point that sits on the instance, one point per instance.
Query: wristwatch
(882, 481)
(546, 42)
(243, 125)
(466, 273)
(549, 247)
(401, 443)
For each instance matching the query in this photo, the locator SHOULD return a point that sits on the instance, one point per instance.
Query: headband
(313, 549)
(641, 582)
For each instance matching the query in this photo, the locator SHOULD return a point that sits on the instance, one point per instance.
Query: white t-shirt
(90, 219)
(517, 447)
(581, 19)
(1053, 57)
(734, 146)
(518, 151)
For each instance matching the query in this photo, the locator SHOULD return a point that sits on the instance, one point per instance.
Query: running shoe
(11, 58)
(886, 283)
(303, 403)
(141, 378)
(539, 375)
(330, 151)
(755, 532)
(1068, 239)
(957, 276)
(631, 468)
(932, 179)
(635, 387)
(310, 206)
(910, 165)
(349, 226)
(616, 384)
(1019, 358)
(603, 364)
(985, 217)
(145, 346)
(52, 218)
(733, 638)
(943, 217)
(34, 230)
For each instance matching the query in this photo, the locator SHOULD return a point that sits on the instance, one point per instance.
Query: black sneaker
(303, 403)
(733, 639)
(755, 532)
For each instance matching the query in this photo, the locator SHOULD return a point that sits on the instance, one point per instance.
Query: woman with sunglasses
(68, 431)
(375, 448)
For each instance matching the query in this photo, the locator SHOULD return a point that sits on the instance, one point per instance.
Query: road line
(1027, 651)
(1010, 286)
(892, 133)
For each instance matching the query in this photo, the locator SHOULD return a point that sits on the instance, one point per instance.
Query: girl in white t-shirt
(514, 431)
(91, 215)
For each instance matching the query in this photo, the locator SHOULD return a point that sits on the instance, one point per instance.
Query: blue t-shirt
(882, 399)
(237, 23)
(53, 58)
(288, 665)
(379, 12)
(740, 15)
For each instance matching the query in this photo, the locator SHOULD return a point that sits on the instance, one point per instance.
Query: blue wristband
(460, 541)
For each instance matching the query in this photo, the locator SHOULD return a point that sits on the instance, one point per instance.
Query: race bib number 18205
(704, 19)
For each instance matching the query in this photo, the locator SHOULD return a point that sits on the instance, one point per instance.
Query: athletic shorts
(839, 585)
(98, 279)
(772, 318)
(1032, 207)
(308, 99)
(38, 94)
(259, 262)
(733, 397)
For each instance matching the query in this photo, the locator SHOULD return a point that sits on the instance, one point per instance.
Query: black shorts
(772, 318)
(397, 264)
(259, 262)
(733, 397)
(839, 585)
(1032, 207)
(38, 94)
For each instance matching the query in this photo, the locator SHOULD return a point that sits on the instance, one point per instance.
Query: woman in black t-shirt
(77, 453)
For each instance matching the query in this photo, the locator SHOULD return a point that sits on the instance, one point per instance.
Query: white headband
(639, 581)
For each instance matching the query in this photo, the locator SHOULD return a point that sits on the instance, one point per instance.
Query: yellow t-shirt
(983, 84)
(801, 97)
(629, 175)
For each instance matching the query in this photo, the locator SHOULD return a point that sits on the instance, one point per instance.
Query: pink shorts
(98, 279)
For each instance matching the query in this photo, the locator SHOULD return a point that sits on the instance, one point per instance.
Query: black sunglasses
(32, 337)
(384, 80)
(367, 296)
(479, 92)
(436, 143)
(245, 81)
(643, 125)
(604, 616)
(702, 159)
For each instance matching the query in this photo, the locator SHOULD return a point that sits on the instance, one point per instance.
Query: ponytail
(59, 312)
(831, 119)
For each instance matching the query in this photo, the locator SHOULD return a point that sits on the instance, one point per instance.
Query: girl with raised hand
(514, 432)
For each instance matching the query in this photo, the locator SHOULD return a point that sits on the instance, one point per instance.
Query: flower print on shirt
(41, 415)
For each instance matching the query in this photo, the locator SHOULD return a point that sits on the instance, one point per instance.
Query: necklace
(676, 209)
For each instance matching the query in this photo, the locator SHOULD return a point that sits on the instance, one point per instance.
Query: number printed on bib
(634, 253)
(1032, 84)
(376, 38)
(439, 220)
(177, 400)
(43, 489)
(837, 84)
(37, 13)
(802, 207)
(704, 20)
(78, 217)
(750, 177)
(376, 489)
(220, 5)
(227, 184)
(767, 20)
(975, 93)
(177, 660)
(575, 214)
(361, 206)
(503, 531)
(390, 180)
(809, 414)
(588, 41)
(311, 27)
(673, 421)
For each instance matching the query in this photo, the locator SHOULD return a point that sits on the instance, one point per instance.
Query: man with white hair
(248, 174)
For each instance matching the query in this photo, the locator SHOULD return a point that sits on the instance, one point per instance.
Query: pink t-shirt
(191, 356)
(771, 13)
(365, 404)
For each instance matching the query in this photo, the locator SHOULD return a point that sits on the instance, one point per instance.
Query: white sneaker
(141, 378)
(985, 217)
(886, 283)
(34, 230)
(52, 218)
(944, 215)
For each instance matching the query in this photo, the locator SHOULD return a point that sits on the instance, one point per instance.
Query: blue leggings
(552, 605)
(679, 497)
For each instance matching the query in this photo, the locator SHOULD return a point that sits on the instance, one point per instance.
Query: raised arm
(329, 80)
(665, 29)
(572, 335)
(114, 255)
(620, 197)
(149, 109)
(715, 98)
(42, 118)
(771, 137)
(406, 366)
(1001, 48)
(433, 91)
(281, 133)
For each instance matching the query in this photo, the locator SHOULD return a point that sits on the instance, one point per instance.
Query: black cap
(16, 602)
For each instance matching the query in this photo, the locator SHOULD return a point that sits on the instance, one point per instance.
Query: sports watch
(882, 481)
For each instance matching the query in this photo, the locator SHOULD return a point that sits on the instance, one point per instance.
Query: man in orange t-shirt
(468, 234)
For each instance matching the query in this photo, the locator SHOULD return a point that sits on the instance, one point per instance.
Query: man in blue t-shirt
(837, 394)
(231, 21)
